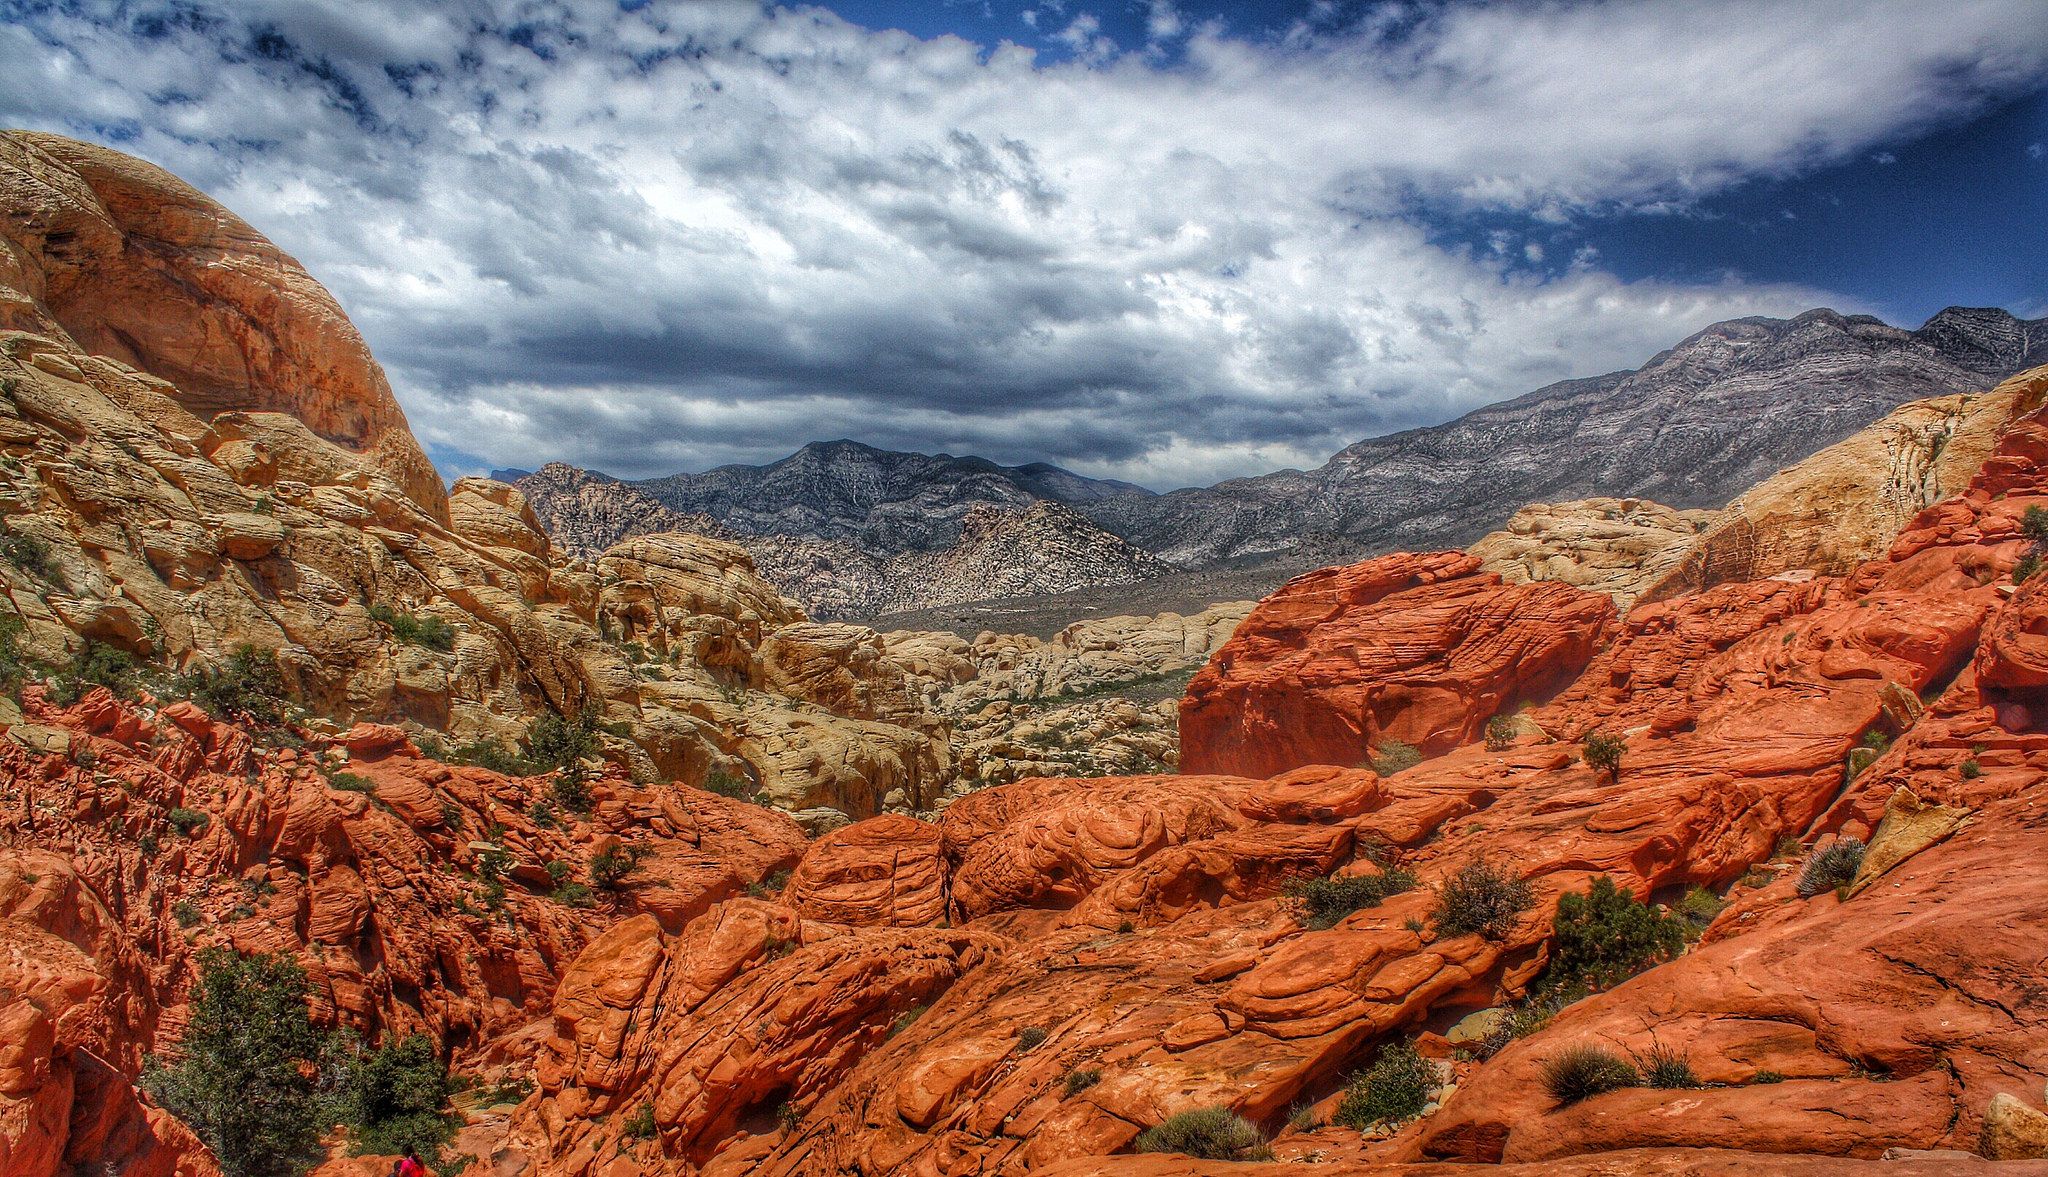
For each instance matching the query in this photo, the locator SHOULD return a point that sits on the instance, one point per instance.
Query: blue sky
(1165, 240)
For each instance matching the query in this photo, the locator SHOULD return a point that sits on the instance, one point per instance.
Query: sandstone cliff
(196, 454)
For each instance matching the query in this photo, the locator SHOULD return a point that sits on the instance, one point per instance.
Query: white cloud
(705, 231)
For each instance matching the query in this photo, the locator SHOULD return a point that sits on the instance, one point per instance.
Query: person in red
(408, 1165)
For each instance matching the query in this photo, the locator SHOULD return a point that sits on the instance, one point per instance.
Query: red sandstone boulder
(1418, 648)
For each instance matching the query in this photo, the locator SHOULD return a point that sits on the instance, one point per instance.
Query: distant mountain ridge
(1693, 427)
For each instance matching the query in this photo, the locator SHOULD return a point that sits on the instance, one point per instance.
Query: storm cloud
(661, 236)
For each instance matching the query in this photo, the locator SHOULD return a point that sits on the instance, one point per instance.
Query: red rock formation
(374, 870)
(1418, 648)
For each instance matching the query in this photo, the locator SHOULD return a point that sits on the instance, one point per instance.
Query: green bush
(15, 664)
(1830, 868)
(1583, 1071)
(1699, 909)
(1971, 770)
(639, 1125)
(1663, 1066)
(411, 629)
(1603, 752)
(572, 895)
(396, 1097)
(1210, 1134)
(1500, 733)
(28, 553)
(350, 782)
(1393, 1090)
(571, 789)
(246, 686)
(1030, 1037)
(559, 741)
(244, 1075)
(1078, 1081)
(609, 868)
(2034, 525)
(1394, 756)
(729, 785)
(2024, 570)
(1768, 1077)
(94, 665)
(1320, 903)
(188, 821)
(185, 912)
(1606, 936)
(1481, 898)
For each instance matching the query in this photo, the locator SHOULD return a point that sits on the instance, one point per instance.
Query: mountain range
(855, 531)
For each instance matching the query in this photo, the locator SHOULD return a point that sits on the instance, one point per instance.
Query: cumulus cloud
(664, 236)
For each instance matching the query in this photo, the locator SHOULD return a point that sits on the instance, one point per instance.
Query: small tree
(1606, 936)
(243, 1079)
(609, 868)
(1603, 752)
(1500, 733)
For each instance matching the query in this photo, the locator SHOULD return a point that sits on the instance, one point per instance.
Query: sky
(1170, 241)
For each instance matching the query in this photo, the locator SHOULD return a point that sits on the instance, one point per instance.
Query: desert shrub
(1663, 1066)
(1768, 1077)
(244, 1078)
(2028, 565)
(1971, 770)
(482, 753)
(2034, 525)
(188, 821)
(639, 1125)
(542, 813)
(1393, 1090)
(1875, 740)
(1583, 1071)
(1320, 903)
(1500, 733)
(1080, 1080)
(609, 868)
(570, 789)
(1393, 756)
(246, 686)
(1481, 898)
(1829, 868)
(559, 741)
(906, 1018)
(1525, 1019)
(94, 665)
(1210, 1134)
(396, 1097)
(28, 553)
(1603, 752)
(730, 785)
(351, 783)
(415, 630)
(185, 912)
(1698, 909)
(1606, 936)
(1030, 1037)
(15, 665)
(572, 895)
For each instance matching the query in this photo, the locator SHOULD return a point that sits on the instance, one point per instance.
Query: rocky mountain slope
(1692, 428)
(198, 454)
(1828, 513)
